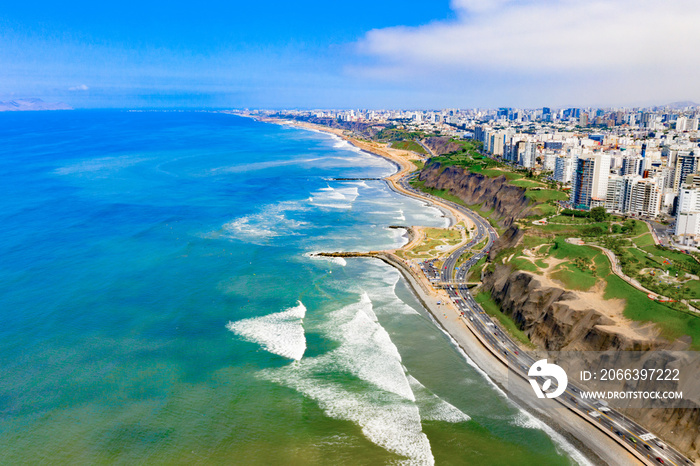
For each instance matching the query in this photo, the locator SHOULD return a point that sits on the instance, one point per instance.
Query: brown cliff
(557, 319)
(441, 145)
(493, 194)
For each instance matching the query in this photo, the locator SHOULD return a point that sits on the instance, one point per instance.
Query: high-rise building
(615, 196)
(688, 215)
(527, 154)
(631, 166)
(583, 175)
(687, 163)
(590, 180)
(645, 198)
(633, 194)
(564, 168)
(601, 175)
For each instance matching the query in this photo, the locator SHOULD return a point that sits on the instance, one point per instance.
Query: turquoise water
(158, 304)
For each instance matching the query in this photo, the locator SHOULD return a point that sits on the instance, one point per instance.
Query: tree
(598, 214)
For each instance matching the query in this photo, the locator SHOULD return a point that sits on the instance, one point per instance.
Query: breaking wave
(281, 333)
(270, 222)
(385, 410)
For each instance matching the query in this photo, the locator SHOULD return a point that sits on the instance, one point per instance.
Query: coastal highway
(627, 432)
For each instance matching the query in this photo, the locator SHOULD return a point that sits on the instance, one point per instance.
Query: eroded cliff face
(507, 202)
(557, 319)
(441, 144)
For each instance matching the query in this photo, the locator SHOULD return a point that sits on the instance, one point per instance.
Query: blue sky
(368, 54)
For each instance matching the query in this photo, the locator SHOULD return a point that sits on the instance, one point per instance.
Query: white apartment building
(645, 198)
(634, 195)
(564, 168)
(688, 216)
(601, 173)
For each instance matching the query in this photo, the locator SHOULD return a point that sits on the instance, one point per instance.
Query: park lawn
(673, 324)
(694, 287)
(638, 306)
(640, 228)
(570, 219)
(523, 264)
(494, 173)
(670, 255)
(646, 260)
(644, 240)
(574, 278)
(443, 233)
(531, 241)
(491, 308)
(409, 145)
(564, 250)
(569, 230)
(573, 230)
(525, 183)
(546, 210)
(424, 247)
(544, 195)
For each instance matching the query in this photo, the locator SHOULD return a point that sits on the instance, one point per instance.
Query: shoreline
(586, 439)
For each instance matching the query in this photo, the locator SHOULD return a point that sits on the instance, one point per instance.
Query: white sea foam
(366, 349)
(526, 421)
(270, 222)
(334, 198)
(262, 165)
(386, 420)
(387, 413)
(386, 303)
(335, 260)
(434, 408)
(529, 421)
(101, 166)
(281, 333)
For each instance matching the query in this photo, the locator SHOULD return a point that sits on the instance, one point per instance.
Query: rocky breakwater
(493, 194)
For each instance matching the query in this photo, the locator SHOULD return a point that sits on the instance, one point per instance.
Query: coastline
(573, 429)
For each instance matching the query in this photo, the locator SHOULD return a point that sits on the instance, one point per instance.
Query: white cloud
(614, 49)
(81, 87)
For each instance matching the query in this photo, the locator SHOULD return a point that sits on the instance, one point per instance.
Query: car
(647, 447)
(659, 460)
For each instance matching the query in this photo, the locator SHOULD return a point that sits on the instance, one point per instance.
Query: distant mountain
(682, 104)
(22, 105)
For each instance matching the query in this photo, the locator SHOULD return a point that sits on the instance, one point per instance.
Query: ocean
(159, 304)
